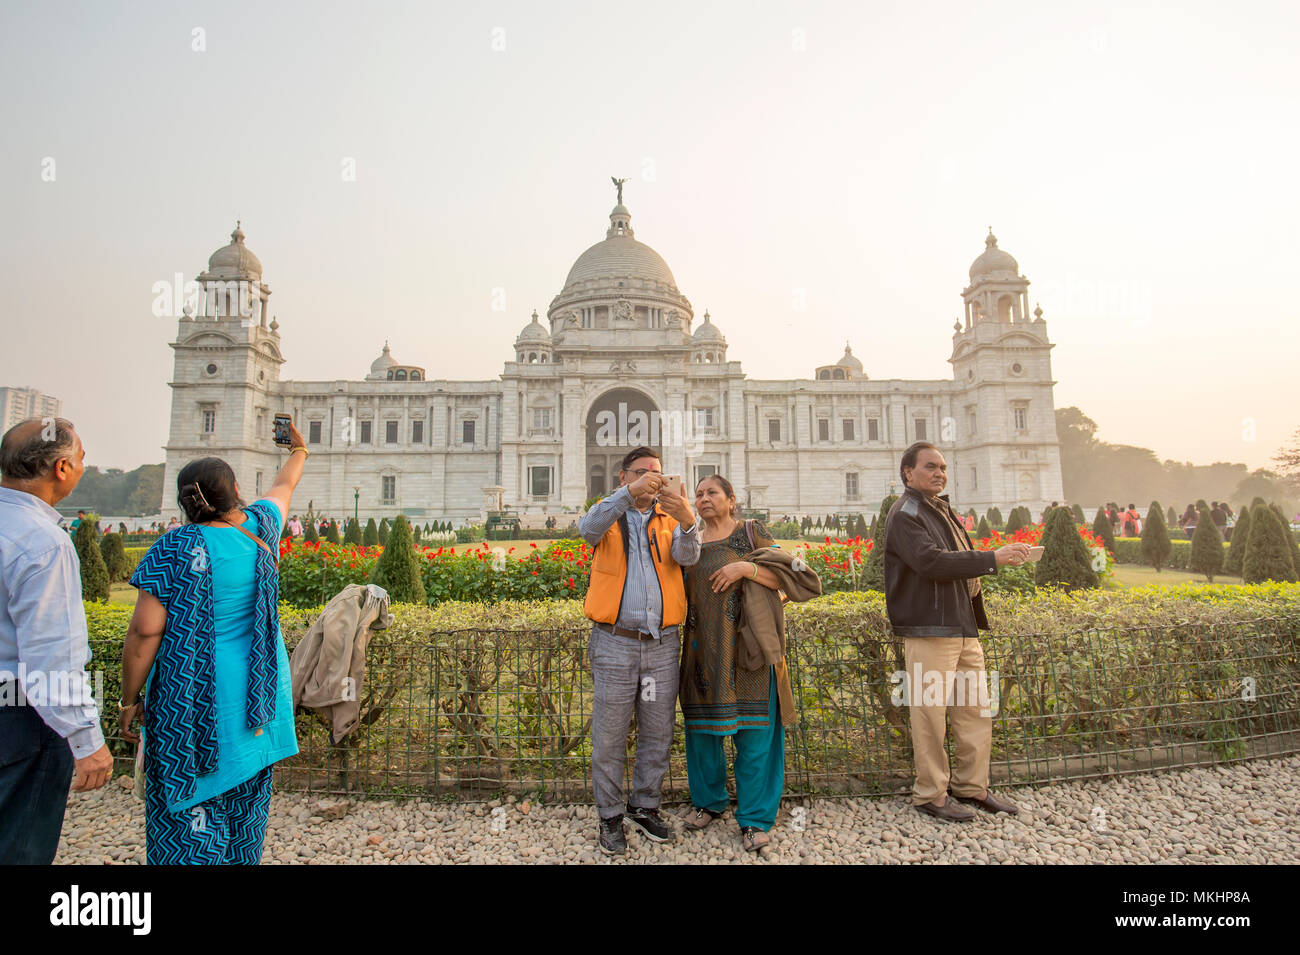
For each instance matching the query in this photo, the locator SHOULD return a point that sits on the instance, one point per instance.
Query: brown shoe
(698, 818)
(990, 803)
(949, 810)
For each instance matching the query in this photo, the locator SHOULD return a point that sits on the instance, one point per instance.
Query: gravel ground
(1239, 814)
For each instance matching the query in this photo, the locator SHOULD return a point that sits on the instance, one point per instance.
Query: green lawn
(1137, 575)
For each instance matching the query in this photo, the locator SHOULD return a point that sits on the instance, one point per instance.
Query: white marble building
(619, 360)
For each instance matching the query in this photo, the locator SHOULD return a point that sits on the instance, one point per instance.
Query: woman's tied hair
(206, 489)
(727, 489)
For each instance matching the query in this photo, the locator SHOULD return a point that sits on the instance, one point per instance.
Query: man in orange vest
(637, 603)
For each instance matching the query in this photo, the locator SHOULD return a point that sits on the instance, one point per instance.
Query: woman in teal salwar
(217, 709)
(718, 699)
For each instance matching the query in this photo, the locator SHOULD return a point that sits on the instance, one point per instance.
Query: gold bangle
(301, 448)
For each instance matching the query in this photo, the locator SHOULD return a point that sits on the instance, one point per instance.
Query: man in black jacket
(934, 601)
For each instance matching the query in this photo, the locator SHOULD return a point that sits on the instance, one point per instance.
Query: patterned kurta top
(715, 696)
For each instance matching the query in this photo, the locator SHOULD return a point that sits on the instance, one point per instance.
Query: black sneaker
(651, 824)
(612, 840)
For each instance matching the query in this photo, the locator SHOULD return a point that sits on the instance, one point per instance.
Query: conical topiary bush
(332, 533)
(309, 534)
(1207, 545)
(384, 530)
(94, 574)
(371, 536)
(1155, 538)
(983, 530)
(873, 572)
(1015, 520)
(1077, 513)
(398, 569)
(1234, 560)
(1266, 556)
(110, 547)
(1103, 530)
(353, 534)
(1066, 561)
(1287, 536)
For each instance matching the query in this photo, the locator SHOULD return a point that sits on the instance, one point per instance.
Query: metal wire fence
(473, 713)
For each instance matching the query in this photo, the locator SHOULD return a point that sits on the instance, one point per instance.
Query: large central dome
(620, 255)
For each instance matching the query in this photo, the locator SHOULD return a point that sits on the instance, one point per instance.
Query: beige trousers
(943, 672)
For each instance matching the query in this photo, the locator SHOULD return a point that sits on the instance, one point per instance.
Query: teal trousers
(759, 768)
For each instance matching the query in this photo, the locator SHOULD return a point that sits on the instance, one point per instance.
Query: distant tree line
(114, 491)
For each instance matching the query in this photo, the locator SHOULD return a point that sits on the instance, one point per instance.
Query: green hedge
(472, 698)
(1128, 550)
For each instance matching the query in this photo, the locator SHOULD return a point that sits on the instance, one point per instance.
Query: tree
(1267, 556)
(110, 547)
(1171, 517)
(1155, 538)
(398, 568)
(94, 574)
(995, 517)
(332, 532)
(1287, 536)
(1103, 530)
(983, 530)
(1234, 562)
(1077, 513)
(873, 572)
(384, 530)
(1015, 520)
(353, 533)
(415, 534)
(1066, 561)
(371, 537)
(309, 534)
(1207, 545)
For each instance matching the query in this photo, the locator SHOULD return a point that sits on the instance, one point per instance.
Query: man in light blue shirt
(48, 717)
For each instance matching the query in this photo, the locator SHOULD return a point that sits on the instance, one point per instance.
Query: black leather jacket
(925, 575)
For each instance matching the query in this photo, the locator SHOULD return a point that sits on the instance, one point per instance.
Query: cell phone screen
(280, 429)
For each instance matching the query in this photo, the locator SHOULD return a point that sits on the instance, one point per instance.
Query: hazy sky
(1138, 160)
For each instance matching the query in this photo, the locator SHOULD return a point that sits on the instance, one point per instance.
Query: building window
(388, 489)
(823, 429)
(848, 429)
(541, 419)
(974, 478)
(539, 481)
(703, 419)
(467, 432)
(702, 471)
(257, 484)
(873, 429)
(313, 432)
(774, 429)
(1021, 417)
(920, 429)
(851, 485)
(365, 432)
(390, 432)
(971, 420)
(417, 432)
(209, 421)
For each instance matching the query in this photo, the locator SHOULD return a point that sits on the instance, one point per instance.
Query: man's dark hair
(641, 452)
(33, 456)
(909, 458)
(80, 512)
(206, 489)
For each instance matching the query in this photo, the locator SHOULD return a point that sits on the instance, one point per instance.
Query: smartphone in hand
(1036, 552)
(280, 429)
(672, 485)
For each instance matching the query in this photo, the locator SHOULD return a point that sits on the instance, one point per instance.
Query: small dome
(708, 332)
(534, 331)
(234, 261)
(993, 260)
(848, 361)
(379, 367)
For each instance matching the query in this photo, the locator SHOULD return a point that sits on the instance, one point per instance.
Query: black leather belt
(639, 635)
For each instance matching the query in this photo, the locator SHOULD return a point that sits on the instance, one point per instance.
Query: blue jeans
(632, 677)
(35, 776)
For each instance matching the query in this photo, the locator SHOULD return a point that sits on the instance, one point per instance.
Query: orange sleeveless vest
(609, 573)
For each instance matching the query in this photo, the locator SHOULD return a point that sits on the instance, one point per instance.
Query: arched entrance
(618, 421)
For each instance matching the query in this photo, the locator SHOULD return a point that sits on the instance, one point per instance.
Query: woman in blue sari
(217, 710)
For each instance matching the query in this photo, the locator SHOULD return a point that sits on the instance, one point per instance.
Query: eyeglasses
(640, 472)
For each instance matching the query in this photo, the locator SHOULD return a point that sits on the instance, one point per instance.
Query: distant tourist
(49, 729)
(934, 600)
(1188, 521)
(1219, 516)
(295, 527)
(81, 516)
(218, 710)
(637, 604)
(1134, 520)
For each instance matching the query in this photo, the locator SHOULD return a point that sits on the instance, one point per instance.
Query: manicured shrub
(1077, 512)
(1289, 537)
(1235, 558)
(1267, 555)
(384, 530)
(353, 534)
(873, 573)
(399, 570)
(1155, 538)
(1066, 561)
(1103, 529)
(332, 533)
(1015, 520)
(983, 530)
(1207, 545)
(94, 573)
(309, 534)
(1171, 517)
(114, 554)
(371, 537)
(995, 517)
